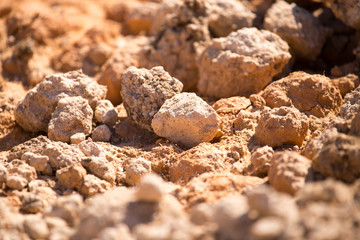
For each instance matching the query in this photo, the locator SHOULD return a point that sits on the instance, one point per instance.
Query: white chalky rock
(150, 189)
(101, 133)
(136, 169)
(105, 113)
(186, 119)
(77, 138)
(72, 115)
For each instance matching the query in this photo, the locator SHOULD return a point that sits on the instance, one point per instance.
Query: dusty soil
(181, 119)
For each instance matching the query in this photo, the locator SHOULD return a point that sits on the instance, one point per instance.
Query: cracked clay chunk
(298, 27)
(288, 171)
(311, 94)
(72, 115)
(337, 155)
(186, 119)
(144, 92)
(242, 63)
(280, 126)
(346, 10)
(33, 113)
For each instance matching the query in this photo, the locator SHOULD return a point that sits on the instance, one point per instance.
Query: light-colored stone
(19, 174)
(312, 94)
(37, 161)
(100, 167)
(36, 227)
(242, 63)
(71, 177)
(136, 169)
(92, 149)
(261, 160)
(288, 171)
(298, 27)
(77, 138)
(145, 91)
(186, 119)
(101, 133)
(105, 113)
(72, 115)
(279, 126)
(93, 185)
(150, 189)
(33, 113)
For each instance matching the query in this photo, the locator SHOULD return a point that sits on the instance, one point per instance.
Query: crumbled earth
(179, 119)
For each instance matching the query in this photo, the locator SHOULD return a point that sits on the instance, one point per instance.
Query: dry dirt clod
(279, 126)
(311, 94)
(346, 10)
(101, 133)
(298, 27)
(105, 113)
(261, 160)
(288, 171)
(135, 169)
(34, 112)
(72, 115)
(186, 119)
(243, 63)
(145, 91)
(150, 188)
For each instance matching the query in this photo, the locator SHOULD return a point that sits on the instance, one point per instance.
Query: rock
(267, 228)
(105, 113)
(99, 53)
(298, 27)
(92, 149)
(311, 94)
(261, 160)
(72, 115)
(101, 133)
(34, 112)
(346, 10)
(187, 24)
(77, 138)
(36, 227)
(346, 84)
(135, 169)
(200, 159)
(337, 155)
(226, 16)
(100, 167)
(32, 204)
(35, 145)
(150, 188)
(246, 120)
(129, 54)
(288, 171)
(145, 91)
(19, 174)
(242, 63)
(37, 161)
(71, 177)
(279, 126)
(186, 119)
(3, 175)
(231, 105)
(355, 125)
(351, 105)
(93, 185)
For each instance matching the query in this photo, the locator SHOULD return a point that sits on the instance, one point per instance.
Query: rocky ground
(179, 119)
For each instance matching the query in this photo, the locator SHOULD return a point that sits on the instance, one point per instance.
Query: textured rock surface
(186, 119)
(298, 27)
(336, 156)
(145, 91)
(311, 94)
(101, 133)
(136, 169)
(33, 113)
(279, 126)
(346, 10)
(226, 16)
(346, 84)
(105, 113)
(261, 160)
(72, 115)
(288, 171)
(242, 63)
(351, 104)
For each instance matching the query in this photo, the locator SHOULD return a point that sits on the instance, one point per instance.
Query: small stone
(105, 113)
(280, 126)
(288, 171)
(90, 148)
(298, 27)
(243, 63)
(136, 169)
(100, 53)
(77, 138)
(268, 228)
(101, 133)
(145, 91)
(32, 204)
(19, 175)
(37, 161)
(261, 160)
(93, 185)
(100, 167)
(346, 10)
(71, 177)
(72, 115)
(186, 119)
(150, 188)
